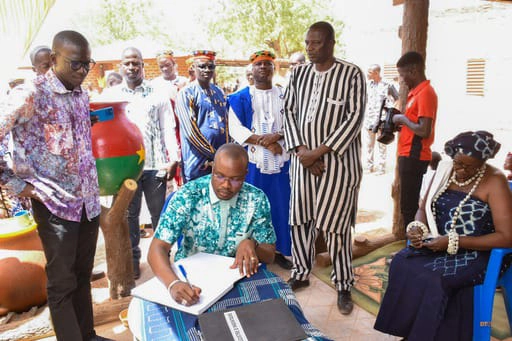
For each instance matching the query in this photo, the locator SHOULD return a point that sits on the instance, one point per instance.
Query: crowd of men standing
(303, 143)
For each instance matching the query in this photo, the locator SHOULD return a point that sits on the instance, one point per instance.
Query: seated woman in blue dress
(467, 211)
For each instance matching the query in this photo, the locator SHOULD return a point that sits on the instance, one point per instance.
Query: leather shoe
(345, 304)
(101, 338)
(282, 261)
(97, 274)
(296, 284)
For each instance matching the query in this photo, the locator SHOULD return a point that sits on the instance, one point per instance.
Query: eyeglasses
(233, 181)
(76, 65)
(206, 66)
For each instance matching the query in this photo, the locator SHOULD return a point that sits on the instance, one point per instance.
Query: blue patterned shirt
(193, 214)
(203, 125)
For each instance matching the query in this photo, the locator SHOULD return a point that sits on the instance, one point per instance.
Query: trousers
(410, 171)
(154, 193)
(339, 247)
(69, 248)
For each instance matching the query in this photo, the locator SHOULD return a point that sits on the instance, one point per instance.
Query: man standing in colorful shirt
(417, 132)
(202, 114)
(218, 214)
(152, 112)
(54, 166)
(256, 121)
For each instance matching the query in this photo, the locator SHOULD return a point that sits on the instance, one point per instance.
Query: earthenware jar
(22, 262)
(118, 146)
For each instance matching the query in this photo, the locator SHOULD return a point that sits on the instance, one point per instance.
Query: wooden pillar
(413, 33)
(118, 250)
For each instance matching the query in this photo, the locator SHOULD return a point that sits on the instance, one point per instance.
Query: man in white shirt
(153, 114)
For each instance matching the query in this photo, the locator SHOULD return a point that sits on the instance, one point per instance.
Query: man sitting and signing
(217, 214)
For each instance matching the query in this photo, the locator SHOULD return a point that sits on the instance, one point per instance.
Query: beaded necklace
(478, 176)
(464, 183)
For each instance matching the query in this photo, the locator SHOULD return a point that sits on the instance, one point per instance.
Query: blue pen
(184, 273)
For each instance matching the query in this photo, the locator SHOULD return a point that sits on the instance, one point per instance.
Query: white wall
(458, 30)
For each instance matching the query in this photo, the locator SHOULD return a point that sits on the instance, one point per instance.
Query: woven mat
(371, 280)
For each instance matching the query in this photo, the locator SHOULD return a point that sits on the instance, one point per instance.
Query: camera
(161, 175)
(384, 127)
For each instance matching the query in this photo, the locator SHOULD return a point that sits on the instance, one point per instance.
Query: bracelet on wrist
(416, 223)
(173, 283)
(453, 242)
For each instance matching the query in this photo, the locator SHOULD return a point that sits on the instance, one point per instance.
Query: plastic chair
(484, 295)
(166, 203)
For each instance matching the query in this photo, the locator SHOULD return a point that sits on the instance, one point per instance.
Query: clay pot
(118, 147)
(22, 276)
(19, 233)
(22, 280)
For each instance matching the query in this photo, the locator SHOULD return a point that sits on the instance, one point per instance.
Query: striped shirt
(326, 108)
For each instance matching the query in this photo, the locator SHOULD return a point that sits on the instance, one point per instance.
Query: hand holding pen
(184, 273)
(184, 292)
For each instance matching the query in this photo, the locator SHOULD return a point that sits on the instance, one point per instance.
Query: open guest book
(209, 272)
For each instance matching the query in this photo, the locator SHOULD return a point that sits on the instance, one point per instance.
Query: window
(475, 77)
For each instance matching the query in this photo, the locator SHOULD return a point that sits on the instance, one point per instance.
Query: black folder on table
(269, 320)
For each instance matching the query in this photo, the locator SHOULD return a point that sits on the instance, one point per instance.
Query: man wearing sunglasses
(218, 214)
(55, 168)
(202, 114)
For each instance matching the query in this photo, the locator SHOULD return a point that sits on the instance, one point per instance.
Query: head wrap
(478, 144)
(189, 61)
(203, 54)
(165, 53)
(262, 55)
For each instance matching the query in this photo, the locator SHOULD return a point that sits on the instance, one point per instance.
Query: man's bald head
(71, 58)
(73, 38)
(132, 51)
(229, 170)
(232, 151)
(132, 67)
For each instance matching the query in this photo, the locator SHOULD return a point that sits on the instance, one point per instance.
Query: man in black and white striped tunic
(325, 102)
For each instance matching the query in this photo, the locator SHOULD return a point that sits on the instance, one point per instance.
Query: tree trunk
(118, 250)
(414, 38)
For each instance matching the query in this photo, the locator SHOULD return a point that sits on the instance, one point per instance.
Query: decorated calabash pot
(118, 147)
(22, 261)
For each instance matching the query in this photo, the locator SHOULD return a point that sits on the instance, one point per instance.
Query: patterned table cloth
(153, 322)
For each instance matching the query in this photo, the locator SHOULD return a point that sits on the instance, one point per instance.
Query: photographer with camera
(417, 131)
(378, 92)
